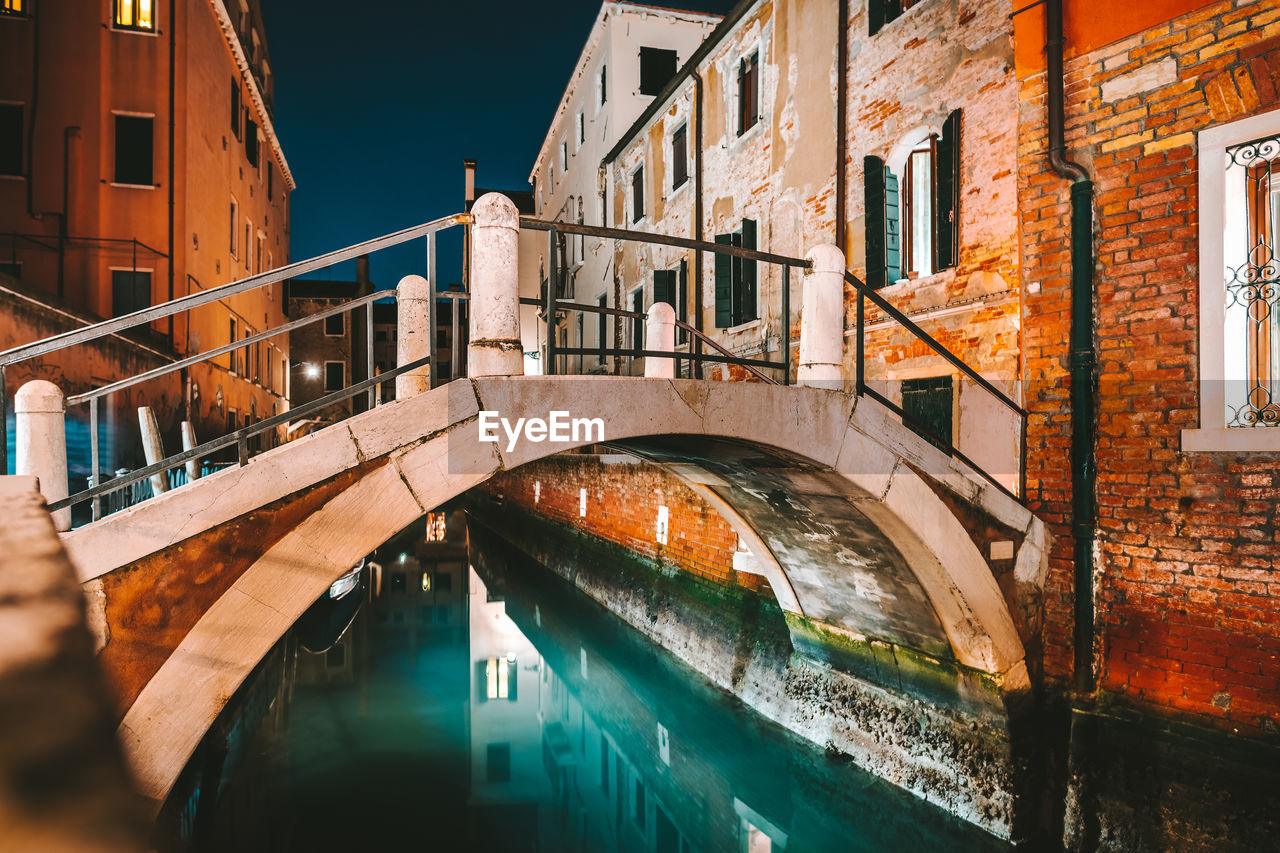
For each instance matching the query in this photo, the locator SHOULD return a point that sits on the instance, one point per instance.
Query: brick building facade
(1187, 577)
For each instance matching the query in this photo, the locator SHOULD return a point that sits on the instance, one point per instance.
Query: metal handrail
(195, 300)
(662, 240)
(887, 307)
(237, 438)
(725, 357)
(226, 348)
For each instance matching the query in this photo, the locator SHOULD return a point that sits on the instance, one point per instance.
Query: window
(564, 157)
(604, 85)
(231, 339)
(250, 140)
(335, 325)
(912, 228)
(657, 67)
(748, 92)
(497, 678)
(235, 108)
(248, 243)
(1239, 351)
(335, 375)
(233, 420)
(638, 804)
(637, 323)
(13, 7)
(444, 582)
(262, 250)
(234, 226)
(881, 12)
(582, 129)
(13, 269)
(637, 194)
(133, 150)
(134, 15)
(602, 327)
(735, 281)
(498, 763)
(271, 181)
(679, 157)
(927, 407)
(10, 139)
(130, 291)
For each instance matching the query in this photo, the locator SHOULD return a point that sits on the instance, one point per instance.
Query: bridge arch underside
(865, 524)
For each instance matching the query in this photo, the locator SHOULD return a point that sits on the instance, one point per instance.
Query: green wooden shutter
(927, 406)
(724, 284)
(873, 194)
(875, 16)
(892, 229)
(946, 242)
(664, 287)
(682, 301)
(746, 302)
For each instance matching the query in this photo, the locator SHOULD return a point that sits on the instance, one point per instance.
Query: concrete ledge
(63, 783)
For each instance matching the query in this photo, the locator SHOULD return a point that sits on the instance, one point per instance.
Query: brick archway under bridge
(905, 567)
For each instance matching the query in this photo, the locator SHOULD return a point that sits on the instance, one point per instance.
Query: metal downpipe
(1083, 359)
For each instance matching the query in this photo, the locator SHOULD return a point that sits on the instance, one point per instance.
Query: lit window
(435, 527)
(426, 582)
(497, 674)
(134, 15)
(13, 7)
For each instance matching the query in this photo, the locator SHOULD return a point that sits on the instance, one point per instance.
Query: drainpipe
(173, 83)
(697, 217)
(1083, 359)
(842, 99)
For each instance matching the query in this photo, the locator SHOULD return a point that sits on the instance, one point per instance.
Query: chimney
(469, 190)
(363, 286)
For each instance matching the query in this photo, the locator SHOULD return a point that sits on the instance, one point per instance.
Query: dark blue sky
(378, 103)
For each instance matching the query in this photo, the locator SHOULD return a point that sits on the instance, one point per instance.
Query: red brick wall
(622, 507)
(1189, 574)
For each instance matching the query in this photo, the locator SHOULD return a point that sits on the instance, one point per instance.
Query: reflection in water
(477, 703)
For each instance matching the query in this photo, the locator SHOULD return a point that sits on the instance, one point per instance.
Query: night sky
(378, 103)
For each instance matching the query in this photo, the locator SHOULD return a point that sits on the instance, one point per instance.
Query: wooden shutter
(873, 195)
(724, 284)
(664, 287)
(682, 301)
(875, 15)
(482, 690)
(746, 289)
(946, 242)
(892, 228)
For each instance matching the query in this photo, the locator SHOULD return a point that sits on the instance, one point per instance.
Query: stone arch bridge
(878, 546)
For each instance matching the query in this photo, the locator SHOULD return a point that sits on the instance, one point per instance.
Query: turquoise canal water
(461, 712)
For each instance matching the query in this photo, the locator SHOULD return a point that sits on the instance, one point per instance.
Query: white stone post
(660, 335)
(152, 448)
(42, 442)
(189, 443)
(822, 320)
(414, 333)
(494, 348)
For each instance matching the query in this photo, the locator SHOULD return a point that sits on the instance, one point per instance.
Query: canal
(461, 697)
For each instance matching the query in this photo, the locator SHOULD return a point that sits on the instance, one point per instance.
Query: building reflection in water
(474, 702)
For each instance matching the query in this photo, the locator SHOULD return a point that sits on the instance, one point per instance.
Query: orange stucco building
(139, 163)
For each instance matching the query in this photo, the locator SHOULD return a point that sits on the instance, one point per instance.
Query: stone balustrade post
(152, 448)
(414, 334)
(494, 347)
(660, 335)
(822, 320)
(41, 438)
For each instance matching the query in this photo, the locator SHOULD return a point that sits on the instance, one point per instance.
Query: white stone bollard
(413, 327)
(189, 443)
(42, 442)
(660, 335)
(822, 320)
(152, 448)
(494, 348)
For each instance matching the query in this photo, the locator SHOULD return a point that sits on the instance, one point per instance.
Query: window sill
(676, 192)
(135, 31)
(13, 177)
(1223, 440)
(743, 327)
(133, 186)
